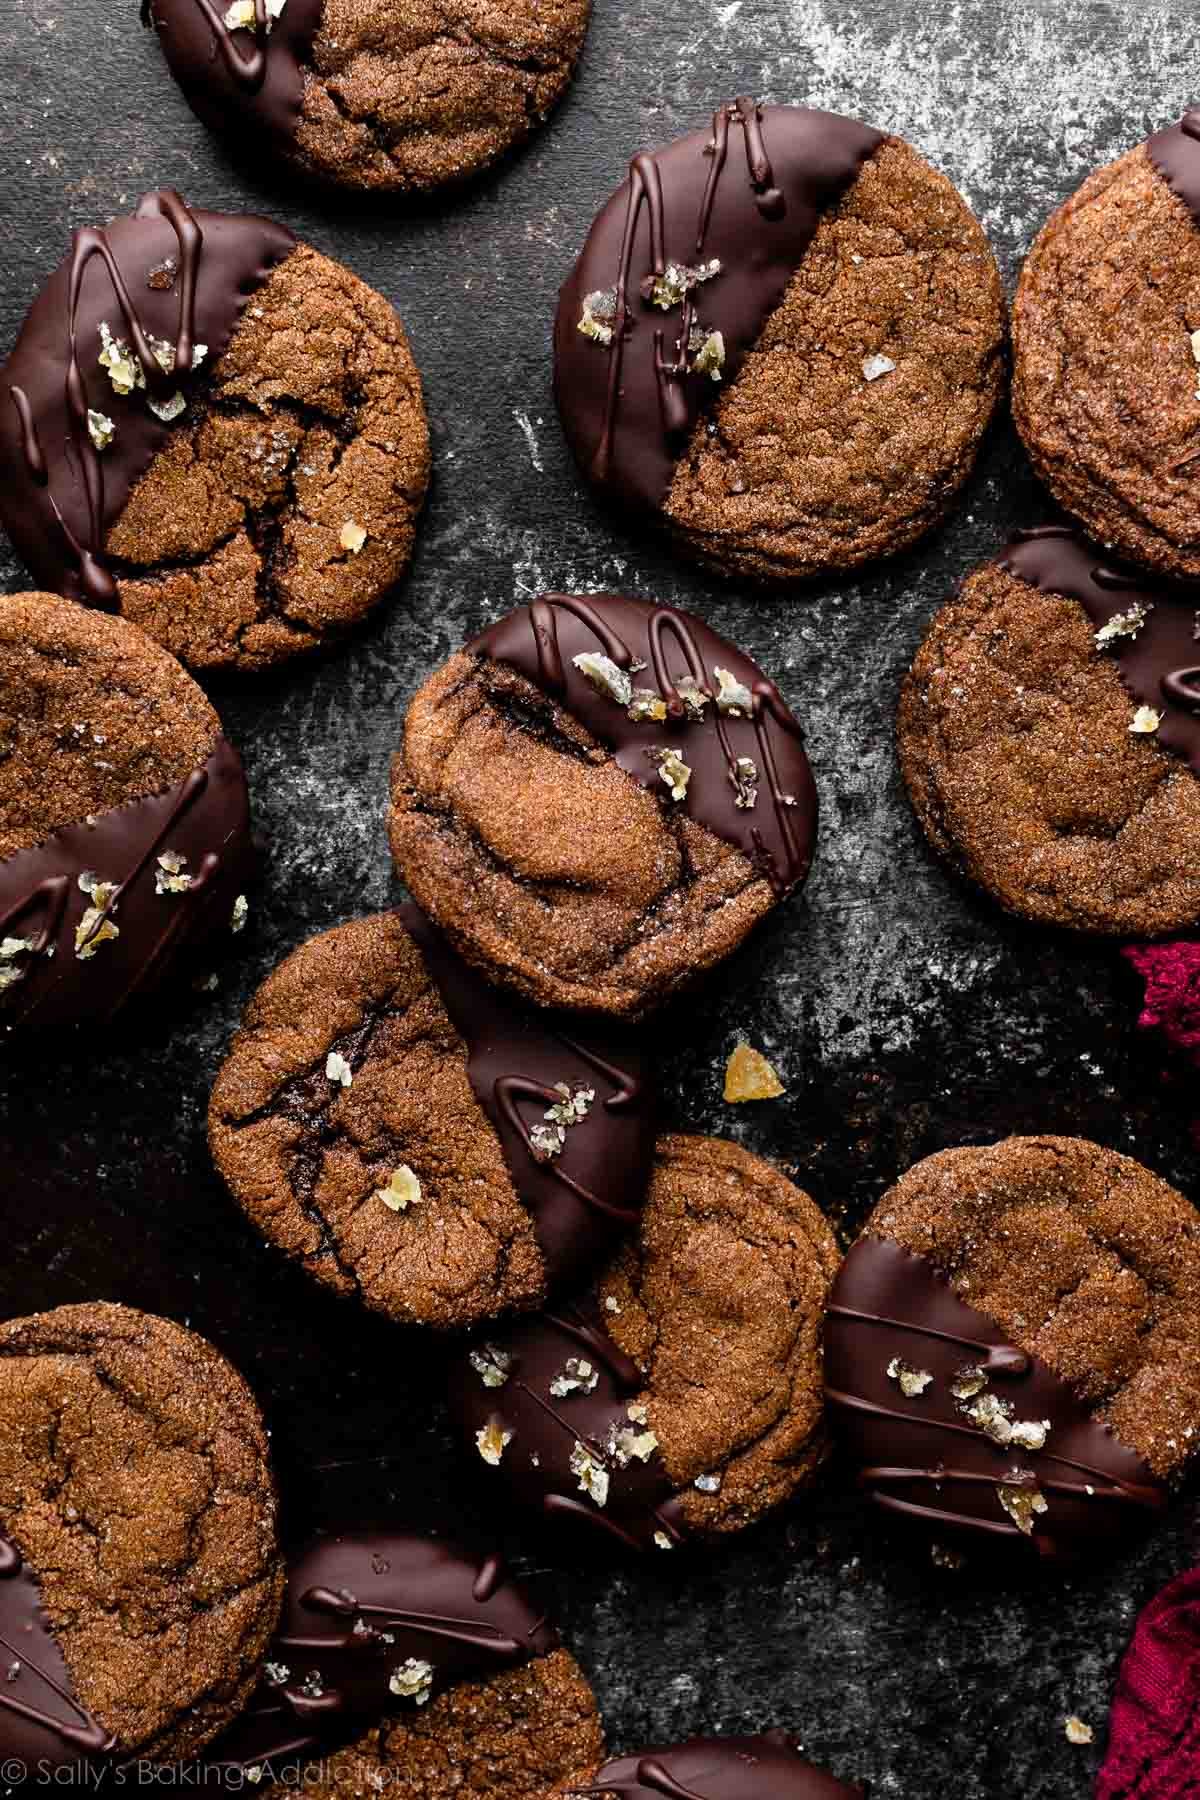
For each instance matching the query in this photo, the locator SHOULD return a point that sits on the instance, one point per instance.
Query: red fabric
(1171, 1005)
(1154, 1728)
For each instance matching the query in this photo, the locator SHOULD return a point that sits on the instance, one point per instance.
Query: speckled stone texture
(903, 1014)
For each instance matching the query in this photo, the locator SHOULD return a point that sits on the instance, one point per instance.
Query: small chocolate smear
(1175, 153)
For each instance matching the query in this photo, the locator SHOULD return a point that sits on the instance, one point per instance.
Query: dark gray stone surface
(903, 1014)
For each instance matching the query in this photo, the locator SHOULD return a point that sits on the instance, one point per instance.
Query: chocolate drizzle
(641, 1507)
(42, 1720)
(768, 1767)
(1160, 664)
(1175, 153)
(674, 655)
(242, 79)
(584, 1197)
(60, 492)
(629, 407)
(359, 1608)
(922, 1458)
(204, 819)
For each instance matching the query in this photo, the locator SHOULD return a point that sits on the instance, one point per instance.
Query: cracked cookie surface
(814, 467)
(236, 548)
(539, 830)
(1104, 376)
(427, 1173)
(1014, 739)
(92, 715)
(791, 355)
(135, 1483)
(1083, 1258)
(720, 1302)
(512, 1737)
(384, 96)
(683, 1395)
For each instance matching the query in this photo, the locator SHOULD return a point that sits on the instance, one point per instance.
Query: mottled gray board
(903, 1014)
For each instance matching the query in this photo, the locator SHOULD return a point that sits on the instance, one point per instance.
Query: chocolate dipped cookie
(1048, 735)
(215, 431)
(1106, 377)
(782, 341)
(368, 95)
(681, 1397)
(598, 798)
(470, 1680)
(766, 1767)
(422, 1141)
(124, 818)
(139, 1576)
(1012, 1351)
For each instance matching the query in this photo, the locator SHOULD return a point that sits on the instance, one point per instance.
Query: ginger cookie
(681, 1397)
(766, 1767)
(437, 1642)
(368, 95)
(1106, 376)
(598, 799)
(214, 431)
(1013, 1348)
(1047, 735)
(139, 1576)
(124, 818)
(421, 1141)
(783, 341)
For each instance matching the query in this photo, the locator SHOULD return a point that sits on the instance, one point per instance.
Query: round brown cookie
(140, 1580)
(1028, 739)
(421, 1141)
(783, 338)
(598, 799)
(1013, 1346)
(1105, 370)
(369, 94)
(377, 1622)
(217, 432)
(512, 1737)
(765, 1767)
(681, 1398)
(124, 818)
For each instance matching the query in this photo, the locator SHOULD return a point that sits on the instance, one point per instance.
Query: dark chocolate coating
(546, 1427)
(585, 1197)
(923, 1461)
(59, 493)
(355, 1610)
(243, 80)
(750, 193)
(1161, 664)
(659, 645)
(204, 818)
(42, 1721)
(1175, 153)
(768, 1767)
